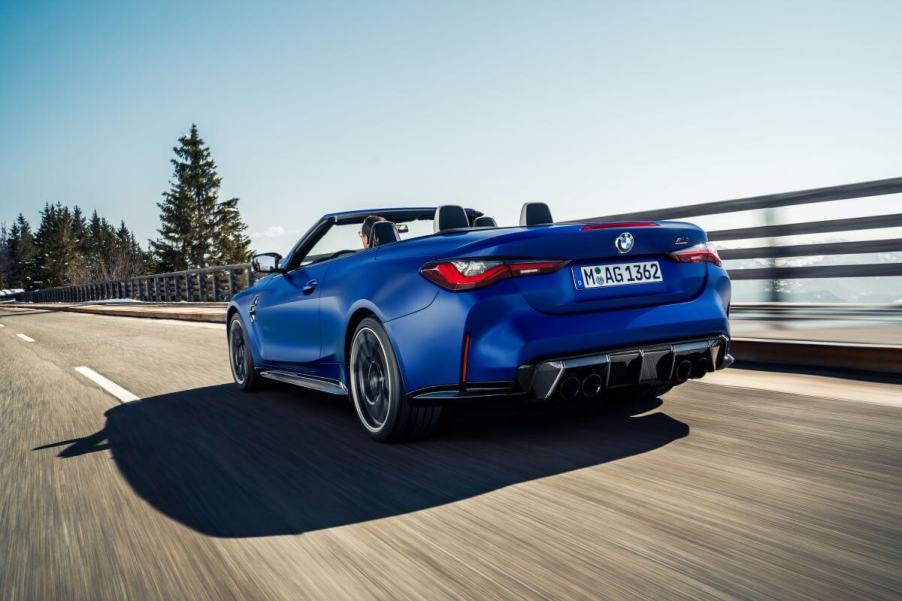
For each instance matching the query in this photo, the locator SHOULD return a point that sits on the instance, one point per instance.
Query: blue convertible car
(408, 310)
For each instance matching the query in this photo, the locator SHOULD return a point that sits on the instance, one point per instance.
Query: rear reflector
(608, 226)
(700, 253)
(465, 360)
(478, 273)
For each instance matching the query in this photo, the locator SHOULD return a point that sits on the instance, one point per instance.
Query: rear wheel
(377, 391)
(240, 358)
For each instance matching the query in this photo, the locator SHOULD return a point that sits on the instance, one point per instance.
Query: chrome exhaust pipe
(700, 368)
(683, 370)
(591, 385)
(569, 388)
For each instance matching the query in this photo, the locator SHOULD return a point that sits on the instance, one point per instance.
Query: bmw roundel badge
(624, 242)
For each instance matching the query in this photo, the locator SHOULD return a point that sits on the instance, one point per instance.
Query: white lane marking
(108, 385)
(25, 338)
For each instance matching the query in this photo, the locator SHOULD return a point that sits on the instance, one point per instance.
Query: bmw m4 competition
(409, 310)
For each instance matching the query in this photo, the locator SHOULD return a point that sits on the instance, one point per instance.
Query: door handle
(310, 286)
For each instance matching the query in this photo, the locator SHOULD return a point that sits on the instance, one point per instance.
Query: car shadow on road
(229, 464)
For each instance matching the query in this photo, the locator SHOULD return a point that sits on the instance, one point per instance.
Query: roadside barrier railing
(771, 230)
(214, 284)
(208, 284)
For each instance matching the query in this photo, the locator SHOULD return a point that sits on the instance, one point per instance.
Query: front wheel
(377, 390)
(240, 358)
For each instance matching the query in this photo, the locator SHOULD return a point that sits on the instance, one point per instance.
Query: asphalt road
(196, 491)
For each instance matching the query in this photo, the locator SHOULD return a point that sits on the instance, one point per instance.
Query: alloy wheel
(370, 379)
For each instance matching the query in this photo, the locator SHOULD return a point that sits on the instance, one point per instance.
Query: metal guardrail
(771, 230)
(218, 283)
(209, 284)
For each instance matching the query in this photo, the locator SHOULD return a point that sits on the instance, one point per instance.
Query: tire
(377, 390)
(241, 360)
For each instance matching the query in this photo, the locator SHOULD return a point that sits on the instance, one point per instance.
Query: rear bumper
(506, 334)
(592, 374)
(588, 375)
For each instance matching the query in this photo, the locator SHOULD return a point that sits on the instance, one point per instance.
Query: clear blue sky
(312, 107)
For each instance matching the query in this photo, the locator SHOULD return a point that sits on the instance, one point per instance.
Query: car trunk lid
(593, 252)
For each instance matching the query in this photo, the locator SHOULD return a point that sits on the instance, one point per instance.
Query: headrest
(535, 213)
(484, 221)
(450, 217)
(384, 232)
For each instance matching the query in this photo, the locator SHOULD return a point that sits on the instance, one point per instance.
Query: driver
(366, 230)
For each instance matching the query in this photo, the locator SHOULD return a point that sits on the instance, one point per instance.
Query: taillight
(609, 226)
(535, 268)
(700, 253)
(468, 274)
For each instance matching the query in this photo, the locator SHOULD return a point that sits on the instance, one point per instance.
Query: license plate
(620, 274)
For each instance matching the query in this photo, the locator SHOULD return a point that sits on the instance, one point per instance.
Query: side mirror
(266, 263)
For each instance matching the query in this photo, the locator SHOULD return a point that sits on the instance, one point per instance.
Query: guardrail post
(770, 218)
(215, 276)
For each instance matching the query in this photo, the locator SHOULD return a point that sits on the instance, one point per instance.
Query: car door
(287, 315)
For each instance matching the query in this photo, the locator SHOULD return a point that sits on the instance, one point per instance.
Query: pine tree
(196, 229)
(79, 229)
(129, 258)
(230, 243)
(55, 247)
(4, 257)
(20, 254)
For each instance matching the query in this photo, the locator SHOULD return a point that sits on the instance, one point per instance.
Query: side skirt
(326, 385)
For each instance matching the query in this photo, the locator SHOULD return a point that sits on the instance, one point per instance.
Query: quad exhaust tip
(683, 370)
(591, 385)
(570, 388)
(700, 368)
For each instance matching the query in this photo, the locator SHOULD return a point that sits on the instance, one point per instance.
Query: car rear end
(568, 310)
